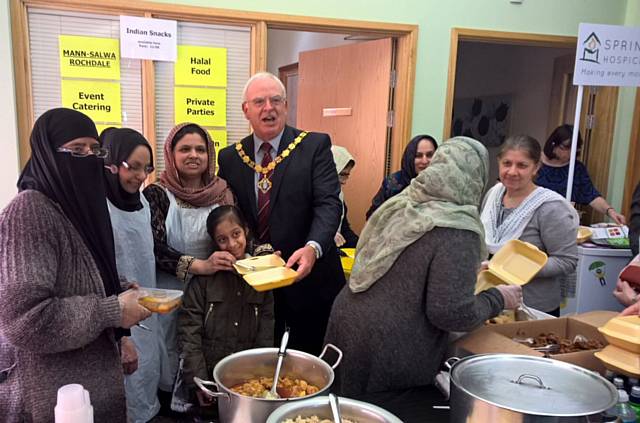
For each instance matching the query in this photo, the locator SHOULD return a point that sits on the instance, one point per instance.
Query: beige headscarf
(446, 194)
(341, 157)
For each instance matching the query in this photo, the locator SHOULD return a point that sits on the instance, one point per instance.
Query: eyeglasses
(565, 147)
(139, 168)
(82, 151)
(344, 175)
(276, 100)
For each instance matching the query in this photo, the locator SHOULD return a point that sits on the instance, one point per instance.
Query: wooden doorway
(598, 110)
(344, 91)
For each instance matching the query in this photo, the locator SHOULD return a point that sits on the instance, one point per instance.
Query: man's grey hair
(262, 75)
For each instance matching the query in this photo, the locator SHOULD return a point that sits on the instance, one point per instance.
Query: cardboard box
(498, 338)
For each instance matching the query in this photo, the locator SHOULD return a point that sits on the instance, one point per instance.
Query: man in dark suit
(286, 184)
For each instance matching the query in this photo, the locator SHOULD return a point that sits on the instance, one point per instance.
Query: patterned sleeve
(167, 259)
(584, 191)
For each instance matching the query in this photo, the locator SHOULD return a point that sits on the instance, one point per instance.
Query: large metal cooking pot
(357, 411)
(261, 362)
(525, 389)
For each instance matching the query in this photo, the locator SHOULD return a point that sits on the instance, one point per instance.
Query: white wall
(524, 72)
(284, 46)
(9, 150)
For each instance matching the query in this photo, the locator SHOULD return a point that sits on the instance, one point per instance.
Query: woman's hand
(632, 310)
(128, 355)
(339, 239)
(219, 260)
(132, 312)
(624, 293)
(511, 294)
(616, 217)
(484, 265)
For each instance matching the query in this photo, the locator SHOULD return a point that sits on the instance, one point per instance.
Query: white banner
(607, 55)
(147, 38)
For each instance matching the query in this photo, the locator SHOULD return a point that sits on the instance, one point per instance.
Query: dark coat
(634, 220)
(221, 314)
(305, 206)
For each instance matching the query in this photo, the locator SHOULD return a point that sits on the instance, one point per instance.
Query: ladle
(272, 394)
(335, 408)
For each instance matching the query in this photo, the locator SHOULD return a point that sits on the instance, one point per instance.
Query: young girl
(221, 314)
(128, 164)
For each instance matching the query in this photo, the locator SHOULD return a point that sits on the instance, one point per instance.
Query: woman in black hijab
(129, 163)
(416, 158)
(59, 302)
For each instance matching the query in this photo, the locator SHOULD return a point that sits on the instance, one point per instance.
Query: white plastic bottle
(74, 405)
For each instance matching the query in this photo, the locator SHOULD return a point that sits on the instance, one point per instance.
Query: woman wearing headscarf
(414, 275)
(345, 237)
(180, 203)
(128, 164)
(60, 295)
(416, 158)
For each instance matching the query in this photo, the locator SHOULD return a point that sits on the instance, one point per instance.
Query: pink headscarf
(215, 191)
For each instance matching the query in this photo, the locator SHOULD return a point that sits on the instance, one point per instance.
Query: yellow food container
(258, 263)
(347, 261)
(620, 360)
(623, 332)
(516, 263)
(159, 300)
(584, 234)
(276, 277)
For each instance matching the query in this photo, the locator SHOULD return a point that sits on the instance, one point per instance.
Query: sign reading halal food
(607, 55)
(201, 66)
(97, 99)
(204, 106)
(89, 57)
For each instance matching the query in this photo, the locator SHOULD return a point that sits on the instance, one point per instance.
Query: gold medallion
(264, 184)
(263, 171)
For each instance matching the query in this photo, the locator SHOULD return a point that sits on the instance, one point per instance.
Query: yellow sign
(219, 139)
(96, 99)
(102, 126)
(204, 106)
(201, 66)
(89, 57)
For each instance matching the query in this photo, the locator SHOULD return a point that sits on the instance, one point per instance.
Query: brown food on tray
(507, 316)
(158, 305)
(579, 343)
(286, 388)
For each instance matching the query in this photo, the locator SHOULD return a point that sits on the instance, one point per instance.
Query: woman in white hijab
(345, 237)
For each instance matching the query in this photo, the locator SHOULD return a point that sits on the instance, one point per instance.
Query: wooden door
(597, 121)
(344, 91)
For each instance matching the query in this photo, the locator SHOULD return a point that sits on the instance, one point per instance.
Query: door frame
(493, 37)
(633, 161)
(406, 35)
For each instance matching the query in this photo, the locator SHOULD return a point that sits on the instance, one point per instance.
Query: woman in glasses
(554, 174)
(128, 164)
(61, 303)
(180, 203)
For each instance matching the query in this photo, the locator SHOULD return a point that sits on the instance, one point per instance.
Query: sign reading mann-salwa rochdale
(607, 55)
(89, 57)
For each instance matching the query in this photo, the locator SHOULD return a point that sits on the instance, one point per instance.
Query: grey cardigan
(55, 322)
(553, 230)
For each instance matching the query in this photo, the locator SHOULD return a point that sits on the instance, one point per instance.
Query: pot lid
(533, 385)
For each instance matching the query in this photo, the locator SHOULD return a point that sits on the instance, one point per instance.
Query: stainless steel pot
(517, 388)
(358, 411)
(261, 362)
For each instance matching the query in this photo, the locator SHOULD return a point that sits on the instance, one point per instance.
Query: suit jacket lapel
(248, 177)
(287, 137)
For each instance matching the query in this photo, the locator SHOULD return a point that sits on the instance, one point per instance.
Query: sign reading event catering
(147, 38)
(100, 100)
(89, 57)
(607, 55)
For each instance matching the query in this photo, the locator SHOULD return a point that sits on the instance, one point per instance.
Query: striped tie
(263, 197)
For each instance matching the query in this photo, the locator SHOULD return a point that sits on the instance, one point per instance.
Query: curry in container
(287, 387)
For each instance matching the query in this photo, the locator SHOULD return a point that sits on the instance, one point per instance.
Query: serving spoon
(335, 408)
(272, 394)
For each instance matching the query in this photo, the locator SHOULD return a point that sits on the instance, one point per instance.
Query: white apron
(186, 231)
(135, 261)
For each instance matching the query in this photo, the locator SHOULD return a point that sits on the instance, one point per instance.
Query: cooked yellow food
(314, 419)
(507, 316)
(286, 388)
(158, 304)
